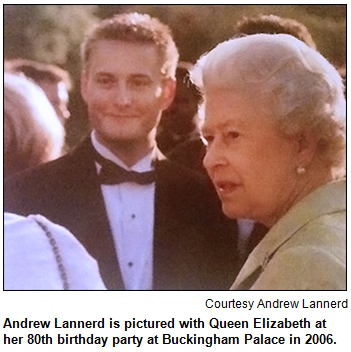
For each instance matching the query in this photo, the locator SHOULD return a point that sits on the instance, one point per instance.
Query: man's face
(125, 91)
(58, 97)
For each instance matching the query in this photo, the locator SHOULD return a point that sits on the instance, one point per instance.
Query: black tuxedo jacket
(194, 245)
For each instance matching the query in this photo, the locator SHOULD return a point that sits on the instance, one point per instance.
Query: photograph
(174, 148)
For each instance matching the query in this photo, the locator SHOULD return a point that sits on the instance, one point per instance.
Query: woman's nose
(215, 156)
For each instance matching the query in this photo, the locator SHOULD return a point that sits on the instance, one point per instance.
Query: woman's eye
(207, 139)
(232, 135)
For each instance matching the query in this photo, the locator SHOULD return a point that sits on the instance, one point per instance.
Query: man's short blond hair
(135, 28)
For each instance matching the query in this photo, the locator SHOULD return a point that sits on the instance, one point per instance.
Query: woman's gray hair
(299, 87)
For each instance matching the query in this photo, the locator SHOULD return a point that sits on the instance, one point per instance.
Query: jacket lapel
(165, 234)
(94, 229)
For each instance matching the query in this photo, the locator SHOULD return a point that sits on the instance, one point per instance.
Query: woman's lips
(224, 188)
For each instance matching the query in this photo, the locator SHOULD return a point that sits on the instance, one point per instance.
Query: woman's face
(250, 162)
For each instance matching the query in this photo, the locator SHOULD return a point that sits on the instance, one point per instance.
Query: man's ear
(169, 91)
(83, 84)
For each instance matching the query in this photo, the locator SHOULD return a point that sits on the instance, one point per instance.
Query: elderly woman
(275, 128)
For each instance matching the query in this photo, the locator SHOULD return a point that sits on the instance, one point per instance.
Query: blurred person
(33, 133)
(40, 255)
(272, 24)
(279, 161)
(179, 121)
(53, 80)
(150, 223)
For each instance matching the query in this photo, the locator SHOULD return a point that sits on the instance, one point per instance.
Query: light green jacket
(305, 249)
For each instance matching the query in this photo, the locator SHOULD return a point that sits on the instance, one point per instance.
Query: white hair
(33, 132)
(301, 89)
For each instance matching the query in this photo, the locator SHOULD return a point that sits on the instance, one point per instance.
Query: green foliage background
(53, 33)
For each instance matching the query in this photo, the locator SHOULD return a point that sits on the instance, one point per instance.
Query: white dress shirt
(130, 209)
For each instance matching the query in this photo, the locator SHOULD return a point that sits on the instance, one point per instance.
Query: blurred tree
(105, 11)
(45, 32)
(53, 33)
(198, 28)
(338, 12)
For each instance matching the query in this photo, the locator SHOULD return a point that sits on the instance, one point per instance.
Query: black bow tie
(112, 174)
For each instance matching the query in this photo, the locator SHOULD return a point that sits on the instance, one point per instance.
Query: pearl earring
(300, 170)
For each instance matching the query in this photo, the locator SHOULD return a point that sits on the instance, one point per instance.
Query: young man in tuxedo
(150, 223)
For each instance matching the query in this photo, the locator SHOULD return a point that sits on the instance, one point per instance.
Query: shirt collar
(144, 164)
